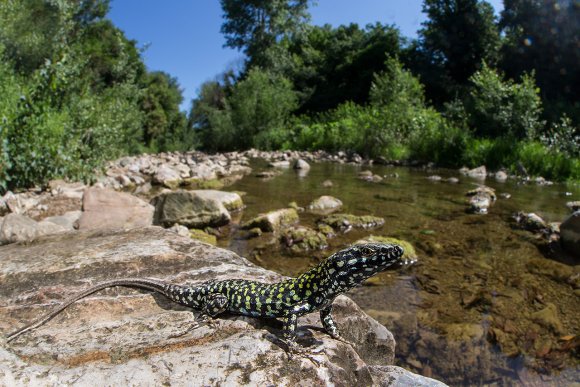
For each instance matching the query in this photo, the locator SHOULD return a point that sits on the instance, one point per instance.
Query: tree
(543, 36)
(458, 36)
(256, 25)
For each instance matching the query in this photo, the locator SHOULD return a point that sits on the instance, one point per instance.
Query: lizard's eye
(367, 251)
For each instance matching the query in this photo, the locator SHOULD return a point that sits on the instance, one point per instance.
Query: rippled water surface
(484, 305)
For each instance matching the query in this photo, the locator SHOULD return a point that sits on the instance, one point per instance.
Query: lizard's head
(356, 263)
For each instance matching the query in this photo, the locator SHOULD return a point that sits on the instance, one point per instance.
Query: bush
(500, 108)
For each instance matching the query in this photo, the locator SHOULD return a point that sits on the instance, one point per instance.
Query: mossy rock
(410, 253)
(202, 236)
(300, 239)
(345, 222)
(210, 184)
(273, 220)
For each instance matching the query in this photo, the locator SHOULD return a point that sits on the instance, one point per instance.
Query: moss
(347, 221)
(202, 236)
(273, 220)
(210, 184)
(300, 239)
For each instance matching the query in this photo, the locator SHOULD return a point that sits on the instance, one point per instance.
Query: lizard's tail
(139, 283)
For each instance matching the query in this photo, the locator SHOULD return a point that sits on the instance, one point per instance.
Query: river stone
(501, 176)
(273, 221)
(573, 206)
(66, 189)
(20, 228)
(481, 198)
(108, 209)
(202, 236)
(131, 337)
(325, 204)
(189, 209)
(570, 234)
(301, 164)
(69, 220)
(478, 173)
(300, 239)
(345, 222)
(230, 200)
(530, 221)
(393, 376)
(167, 176)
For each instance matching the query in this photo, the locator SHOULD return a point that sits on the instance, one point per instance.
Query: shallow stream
(484, 305)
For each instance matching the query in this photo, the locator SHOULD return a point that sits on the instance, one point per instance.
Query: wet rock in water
(570, 234)
(301, 164)
(167, 176)
(324, 205)
(230, 200)
(477, 173)
(505, 195)
(452, 180)
(410, 254)
(202, 236)
(530, 221)
(268, 174)
(480, 199)
(501, 176)
(108, 209)
(573, 206)
(189, 209)
(20, 228)
(279, 164)
(345, 222)
(396, 376)
(273, 221)
(434, 178)
(124, 337)
(369, 176)
(300, 239)
(541, 181)
(549, 318)
(327, 184)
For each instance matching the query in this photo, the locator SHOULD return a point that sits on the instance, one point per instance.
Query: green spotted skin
(314, 290)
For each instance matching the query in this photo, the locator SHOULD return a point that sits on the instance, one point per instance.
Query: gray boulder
(570, 234)
(167, 176)
(325, 204)
(69, 220)
(301, 164)
(130, 337)
(230, 200)
(189, 209)
(108, 209)
(19, 228)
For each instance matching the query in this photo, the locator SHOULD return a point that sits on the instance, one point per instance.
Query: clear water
(484, 305)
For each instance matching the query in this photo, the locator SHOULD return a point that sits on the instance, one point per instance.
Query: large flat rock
(131, 337)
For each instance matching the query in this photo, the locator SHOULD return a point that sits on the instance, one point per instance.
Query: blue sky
(182, 37)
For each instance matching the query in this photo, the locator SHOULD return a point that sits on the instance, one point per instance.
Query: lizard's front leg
(330, 325)
(214, 304)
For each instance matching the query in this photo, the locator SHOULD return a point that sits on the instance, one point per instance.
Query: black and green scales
(314, 290)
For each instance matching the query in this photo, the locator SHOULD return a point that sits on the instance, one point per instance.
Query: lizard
(289, 299)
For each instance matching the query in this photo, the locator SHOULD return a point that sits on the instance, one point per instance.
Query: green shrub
(540, 160)
(500, 108)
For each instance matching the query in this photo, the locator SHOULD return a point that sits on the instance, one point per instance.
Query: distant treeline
(471, 89)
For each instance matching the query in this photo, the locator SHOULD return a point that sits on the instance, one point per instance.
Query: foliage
(256, 25)
(458, 36)
(504, 108)
(252, 113)
(563, 137)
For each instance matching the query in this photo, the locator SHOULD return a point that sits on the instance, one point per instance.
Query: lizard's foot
(342, 339)
(184, 332)
(295, 350)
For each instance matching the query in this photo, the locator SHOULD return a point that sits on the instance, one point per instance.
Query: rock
(69, 190)
(273, 221)
(230, 200)
(434, 178)
(344, 222)
(279, 164)
(70, 220)
(505, 195)
(393, 376)
(410, 253)
(478, 173)
(452, 180)
(573, 206)
(327, 184)
(530, 221)
(481, 198)
(167, 176)
(570, 234)
(501, 176)
(19, 203)
(548, 317)
(300, 239)
(108, 209)
(128, 337)
(19, 228)
(301, 164)
(179, 230)
(268, 174)
(324, 205)
(189, 209)
(202, 236)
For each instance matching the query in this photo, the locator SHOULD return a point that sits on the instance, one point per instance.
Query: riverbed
(485, 304)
